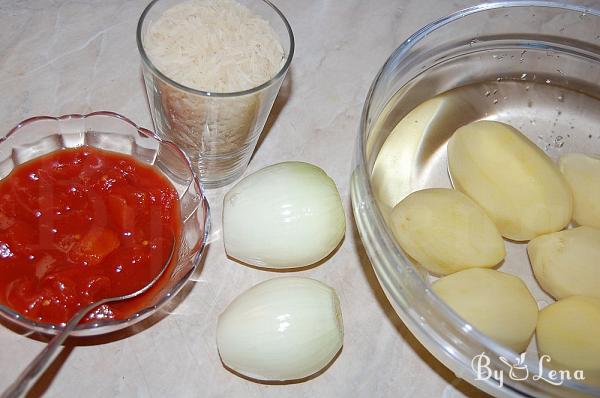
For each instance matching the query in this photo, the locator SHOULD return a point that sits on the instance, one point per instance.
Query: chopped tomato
(94, 246)
(78, 225)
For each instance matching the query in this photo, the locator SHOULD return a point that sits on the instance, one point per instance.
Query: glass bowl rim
(380, 225)
(282, 71)
(48, 328)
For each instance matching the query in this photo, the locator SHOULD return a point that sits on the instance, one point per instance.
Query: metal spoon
(41, 362)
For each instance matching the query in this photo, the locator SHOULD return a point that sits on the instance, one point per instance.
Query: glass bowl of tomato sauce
(92, 204)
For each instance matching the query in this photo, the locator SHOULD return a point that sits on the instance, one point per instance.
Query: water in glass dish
(559, 120)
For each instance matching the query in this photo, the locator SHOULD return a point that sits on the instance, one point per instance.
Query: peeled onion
(286, 215)
(281, 329)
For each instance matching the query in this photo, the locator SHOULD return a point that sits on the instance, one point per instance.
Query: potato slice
(514, 181)
(445, 231)
(583, 175)
(499, 305)
(567, 263)
(568, 332)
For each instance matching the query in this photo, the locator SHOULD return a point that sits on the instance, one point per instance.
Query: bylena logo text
(519, 371)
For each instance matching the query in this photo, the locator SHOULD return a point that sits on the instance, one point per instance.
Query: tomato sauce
(82, 224)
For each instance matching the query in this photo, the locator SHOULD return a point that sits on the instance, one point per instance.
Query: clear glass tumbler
(218, 131)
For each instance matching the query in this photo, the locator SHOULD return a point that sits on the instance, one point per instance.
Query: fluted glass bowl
(41, 135)
(532, 64)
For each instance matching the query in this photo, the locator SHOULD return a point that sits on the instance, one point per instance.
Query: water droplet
(487, 93)
(498, 79)
(561, 97)
(495, 101)
(524, 76)
(526, 88)
(522, 57)
(547, 81)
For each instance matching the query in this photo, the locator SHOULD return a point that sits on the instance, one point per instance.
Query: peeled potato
(567, 263)
(499, 305)
(445, 231)
(399, 155)
(583, 175)
(514, 181)
(568, 331)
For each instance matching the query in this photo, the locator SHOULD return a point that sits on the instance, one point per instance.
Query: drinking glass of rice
(212, 70)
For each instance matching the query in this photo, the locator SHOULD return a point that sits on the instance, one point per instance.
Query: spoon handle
(41, 362)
